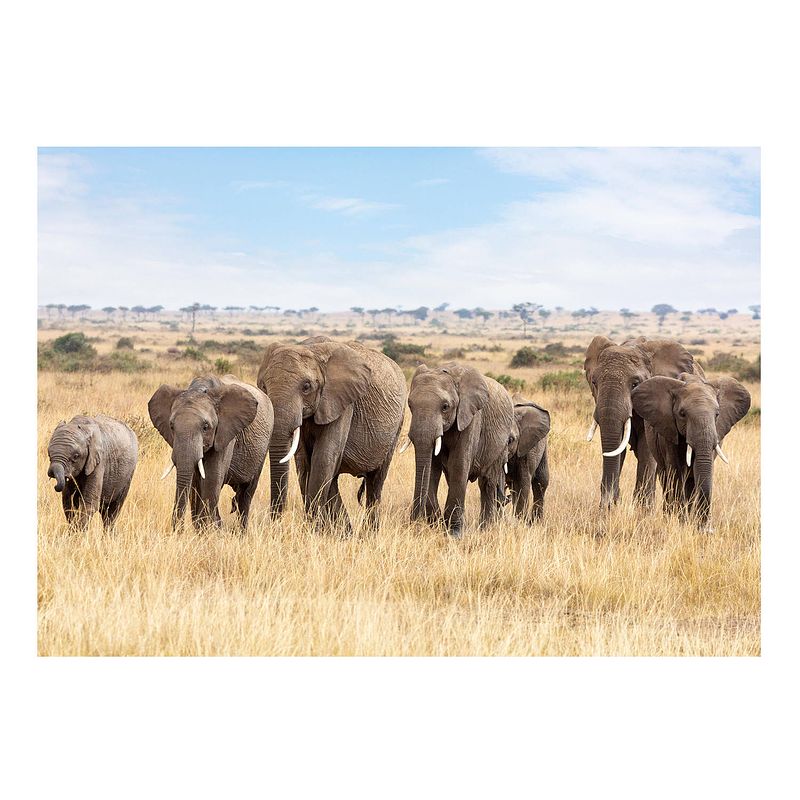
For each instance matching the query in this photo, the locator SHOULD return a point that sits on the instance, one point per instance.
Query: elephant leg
(522, 487)
(454, 505)
(539, 484)
(374, 489)
(489, 494)
(110, 511)
(326, 458)
(302, 463)
(335, 512)
(433, 511)
(644, 493)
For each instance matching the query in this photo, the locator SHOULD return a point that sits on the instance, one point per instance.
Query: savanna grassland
(638, 584)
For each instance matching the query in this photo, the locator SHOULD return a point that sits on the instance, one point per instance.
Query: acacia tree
(627, 316)
(661, 310)
(756, 309)
(526, 312)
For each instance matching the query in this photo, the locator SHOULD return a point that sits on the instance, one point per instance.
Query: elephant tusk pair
(626, 435)
(592, 429)
(199, 467)
(404, 446)
(293, 448)
(717, 448)
(438, 446)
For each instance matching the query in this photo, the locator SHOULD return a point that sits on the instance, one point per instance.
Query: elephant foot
(455, 533)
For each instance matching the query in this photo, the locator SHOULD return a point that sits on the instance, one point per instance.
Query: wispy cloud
(349, 206)
(432, 182)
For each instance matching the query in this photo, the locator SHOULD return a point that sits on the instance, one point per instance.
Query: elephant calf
(219, 432)
(528, 470)
(686, 420)
(460, 425)
(92, 460)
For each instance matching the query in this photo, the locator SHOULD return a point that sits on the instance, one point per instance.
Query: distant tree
(419, 314)
(155, 310)
(139, 310)
(192, 311)
(233, 309)
(707, 311)
(756, 309)
(124, 310)
(358, 310)
(78, 309)
(373, 312)
(464, 313)
(722, 314)
(442, 307)
(482, 313)
(732, 312)
(109, 310)
(627, 316)
(526, 312)
(559, 309)
(661, 310)
(544, 313)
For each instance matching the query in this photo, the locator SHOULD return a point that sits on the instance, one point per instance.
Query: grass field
(649, 586)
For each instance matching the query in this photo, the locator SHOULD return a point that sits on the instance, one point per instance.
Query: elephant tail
(360, 493)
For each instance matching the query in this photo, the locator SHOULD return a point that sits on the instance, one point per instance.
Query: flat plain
(636, 583)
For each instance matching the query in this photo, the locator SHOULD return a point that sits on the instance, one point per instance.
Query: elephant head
(72, 451)
(531, 425)
(439, 399)
(316, 380)
(698, 412)
(196, 422)
(613, 372)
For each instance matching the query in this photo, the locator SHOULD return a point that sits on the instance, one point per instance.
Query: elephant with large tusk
(219, 432)
(338, 410)
(613, 371)
(686, 420)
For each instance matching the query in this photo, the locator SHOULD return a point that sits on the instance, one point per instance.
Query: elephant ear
(347, 377)
(473, 393)
(534, 425)
(596, 346)
(668, 357)
(236, 409)
(160, 408)
(653, 401)
(94, 452)
(734, 403)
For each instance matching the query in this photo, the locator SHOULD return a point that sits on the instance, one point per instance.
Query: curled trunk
(57, 471)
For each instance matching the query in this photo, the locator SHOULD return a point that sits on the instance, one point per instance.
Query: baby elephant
(219, 432)
(686, 420)
(92, 460)
(528, 471)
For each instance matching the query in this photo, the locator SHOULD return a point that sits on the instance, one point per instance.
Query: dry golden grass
(649, 586)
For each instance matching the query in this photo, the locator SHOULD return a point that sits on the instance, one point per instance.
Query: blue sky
(333, 228)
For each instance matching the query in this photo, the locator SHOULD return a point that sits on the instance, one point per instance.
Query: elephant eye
(682, 413)
(206, 426)
(716, 413)
(306, 387)
(445, 406)
(634, 384)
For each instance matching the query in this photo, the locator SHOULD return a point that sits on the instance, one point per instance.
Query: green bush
(511, 383)
(125, 343)
(396, 350)
(76, 343)
(529, 357)
(222, 366)
(563, 380)
(121, 361)
(193, 354)
(751, 372)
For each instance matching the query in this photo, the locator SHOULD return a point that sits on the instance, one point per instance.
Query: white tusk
(688, 455)
(505, 468)
(293, 448)
(404, 446)
(721, 454)
(626, 435)
(202, 469)
(592, 429)
(167, 471)
(438, 446)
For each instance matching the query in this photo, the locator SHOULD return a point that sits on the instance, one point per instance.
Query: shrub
(73, 343)
(454, 354)
(396, 350)
(569, 380)
(194, 354)
(528, 357)
(222, 365)
(512, 384)
(125, 343)
(121, 361)
(751, 372)
(698, 341)
(725, 362)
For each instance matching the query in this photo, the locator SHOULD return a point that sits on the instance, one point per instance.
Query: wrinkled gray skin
(473, 415)
(228, 424)
(613, 372)
(348, 402)
(688, 411)
(92, 460)
(528, 470)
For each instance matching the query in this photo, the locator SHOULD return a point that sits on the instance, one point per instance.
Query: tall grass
(638, 584)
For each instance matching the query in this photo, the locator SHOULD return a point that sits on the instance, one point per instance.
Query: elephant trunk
(423, 456)
(286, 440)
(56, 471)
(278, 475)
(187, 457)
(613, 412)
(703, 445)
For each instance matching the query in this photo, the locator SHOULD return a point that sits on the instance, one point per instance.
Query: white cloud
(349, 206)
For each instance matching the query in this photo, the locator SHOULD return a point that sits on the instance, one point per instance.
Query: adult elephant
(686, 420)
(528, 469)
(219, 432)
(338, 409)
(613, 371)
(460, 426)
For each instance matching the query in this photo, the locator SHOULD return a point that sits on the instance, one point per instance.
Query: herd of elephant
(338, 408)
